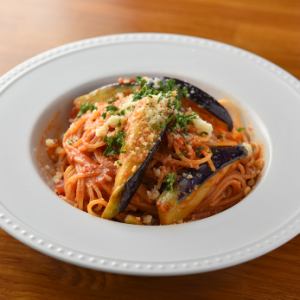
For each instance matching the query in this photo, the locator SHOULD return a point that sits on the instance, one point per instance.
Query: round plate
(32, 213)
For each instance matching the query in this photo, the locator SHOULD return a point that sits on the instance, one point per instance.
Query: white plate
(32, 213)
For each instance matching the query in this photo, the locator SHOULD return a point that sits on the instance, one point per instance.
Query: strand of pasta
(88, 185)
(234, 185)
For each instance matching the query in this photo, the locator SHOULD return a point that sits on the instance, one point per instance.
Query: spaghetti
(88, 157)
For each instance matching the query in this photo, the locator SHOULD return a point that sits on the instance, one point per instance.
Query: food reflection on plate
(154, 151)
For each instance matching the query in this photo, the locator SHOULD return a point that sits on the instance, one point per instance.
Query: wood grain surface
(270, 28)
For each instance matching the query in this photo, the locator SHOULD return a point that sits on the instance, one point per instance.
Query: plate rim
(30, 237)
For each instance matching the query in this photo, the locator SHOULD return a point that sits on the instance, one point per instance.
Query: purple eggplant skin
(134, 182)
(206, 101)
(197, 95)
(221, 157)
(192, 178)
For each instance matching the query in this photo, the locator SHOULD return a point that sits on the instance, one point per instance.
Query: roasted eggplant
(137, 154)
(197, 95)
(206, 101)
(104, 93)
(145, 127)
(192, 185)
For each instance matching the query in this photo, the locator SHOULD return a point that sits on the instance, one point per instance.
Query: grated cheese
(57, 177)
(202, 126)
(112, 121)
(50, 143)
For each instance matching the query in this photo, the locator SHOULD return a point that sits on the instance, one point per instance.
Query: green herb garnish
(104, 115)
(164, 88)
(169, 181)
(122, 112)
(199, 150)
(204, 133)
(140, 80)
(111, 100)
(181, 120)
(185, 92)
(70, 141)
(240, 129)
(177, 102)
(118, 163)
(111, 108)
(114, 143)
(145, 90)
(85, 107)
(169, 85)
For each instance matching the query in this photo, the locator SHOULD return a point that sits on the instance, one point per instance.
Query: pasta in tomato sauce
(154, 151)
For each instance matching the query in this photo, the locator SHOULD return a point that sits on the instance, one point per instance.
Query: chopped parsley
(184, 92)
(169, 181)
(204, 133)
(169, 85)
(240, 129)
(111, 108)
(104, 115)
(199, 150)
(118, 163)
(122, 112)
(85, 107)
(140, 80)
(163, 88)
(181, 120)
(71, 140)
(144, 91)
(114, 143)
(177, 102)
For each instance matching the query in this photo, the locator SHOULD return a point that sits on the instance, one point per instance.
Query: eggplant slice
(192, 185)
(145, 128)
(206, 101)
(130, 173)
(196, 95)
(104, 93)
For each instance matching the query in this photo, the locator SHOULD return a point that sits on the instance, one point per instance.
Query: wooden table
(268, 28)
